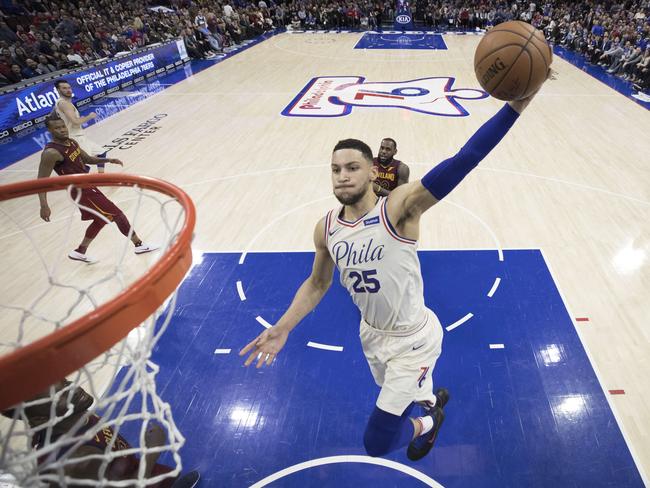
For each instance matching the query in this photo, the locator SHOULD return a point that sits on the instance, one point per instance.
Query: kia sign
(403, 16)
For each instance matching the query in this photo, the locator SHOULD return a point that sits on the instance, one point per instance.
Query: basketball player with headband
(372, 240)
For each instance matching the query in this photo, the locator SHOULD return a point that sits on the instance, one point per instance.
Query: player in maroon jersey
(73, 418)
(391, 172)
(65, 157)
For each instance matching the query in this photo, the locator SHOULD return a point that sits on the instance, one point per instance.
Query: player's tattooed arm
(88, 159)
(49, 158)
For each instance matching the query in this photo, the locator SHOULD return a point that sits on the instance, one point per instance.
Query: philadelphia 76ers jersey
(379, 268)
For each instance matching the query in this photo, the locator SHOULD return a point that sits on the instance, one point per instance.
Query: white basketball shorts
(402, 366)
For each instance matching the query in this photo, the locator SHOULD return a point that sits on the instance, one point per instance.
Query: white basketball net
(128, 436)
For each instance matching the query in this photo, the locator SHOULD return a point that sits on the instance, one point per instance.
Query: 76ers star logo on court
(334, 96)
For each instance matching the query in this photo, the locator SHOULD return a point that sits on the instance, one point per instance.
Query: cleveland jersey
(387, 175)
(379, 268)
(72, 163)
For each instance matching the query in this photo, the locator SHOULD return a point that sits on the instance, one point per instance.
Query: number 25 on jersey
(364, 281)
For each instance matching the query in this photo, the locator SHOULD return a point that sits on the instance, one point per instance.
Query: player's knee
(121, 221)
(98, 223)
(381, 432)
(373, 449)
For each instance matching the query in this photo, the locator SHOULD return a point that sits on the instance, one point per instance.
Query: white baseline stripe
(497, 346)
(494, 287)
(326, 347)
(263, 322)
(222, 351)
(240, 290)
(459, 322)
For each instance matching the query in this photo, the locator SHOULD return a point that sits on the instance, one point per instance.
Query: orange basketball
(512, 60)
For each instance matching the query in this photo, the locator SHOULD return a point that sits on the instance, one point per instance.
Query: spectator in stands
(15, 75)
(196, 48)
(4, 81)
(50, 28)
(44, 65)
(5, 64)
(200, 20)
(227, 9)
(619, 57)
(627, 68)
(74, 57)
(609, 57)
(641, 77)
(30, 70)
(6, 33)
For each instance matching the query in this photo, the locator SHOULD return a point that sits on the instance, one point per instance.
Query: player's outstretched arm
(415, 198)
(268, 344)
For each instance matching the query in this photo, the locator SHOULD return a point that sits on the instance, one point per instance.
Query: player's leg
(125, 228)
(93, 199)
(79, 254)
(390, 426)
(425, 353)
(387, 432)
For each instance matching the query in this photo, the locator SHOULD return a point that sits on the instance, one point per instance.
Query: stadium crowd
(42, 36)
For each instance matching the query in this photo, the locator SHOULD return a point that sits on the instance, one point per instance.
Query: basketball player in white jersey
(67, 112)
(373, 241)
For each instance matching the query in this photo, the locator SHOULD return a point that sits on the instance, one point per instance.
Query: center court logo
(334, 96)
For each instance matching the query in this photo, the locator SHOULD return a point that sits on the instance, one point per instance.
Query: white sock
(426, 423)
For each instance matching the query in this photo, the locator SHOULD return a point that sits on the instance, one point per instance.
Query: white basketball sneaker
(143, 248)
(77, 256)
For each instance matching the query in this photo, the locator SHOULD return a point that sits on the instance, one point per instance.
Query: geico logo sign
(22, 126)
(403, 19)
(4, 133)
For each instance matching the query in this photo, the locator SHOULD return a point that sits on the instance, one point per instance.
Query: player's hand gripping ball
(512, 60)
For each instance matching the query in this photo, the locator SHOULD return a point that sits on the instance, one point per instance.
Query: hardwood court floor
(571, 178)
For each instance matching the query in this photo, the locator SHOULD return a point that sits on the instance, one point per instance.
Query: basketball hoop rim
(27, 371)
